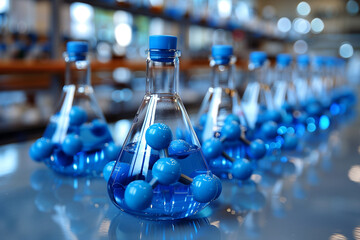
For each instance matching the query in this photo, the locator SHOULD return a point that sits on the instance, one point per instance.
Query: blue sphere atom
(108, 169)
(290, 142)
(77, 116)
(166, 170)
(242, 169)
(232, 117)
(269, 129)
(273, 115)
(138, 195)
(179, 148)
(41, 149)
(257, 149)
(158, 136)
(231, 130)
(99, 128)
(314, 109)
(204, 188)
(212, 148)
(111, 151)
(72, 145)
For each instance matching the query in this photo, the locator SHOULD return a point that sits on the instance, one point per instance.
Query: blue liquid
(90, 161)
(220, 166)
(169, 202)
(85, 163)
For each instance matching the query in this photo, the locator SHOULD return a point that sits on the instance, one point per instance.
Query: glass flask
(301, 78)
(257, 100)
(259, 108)
(344, 96)
(77, 140)
(221, 98)
(221, 119)
(283, 88)
(160, 145)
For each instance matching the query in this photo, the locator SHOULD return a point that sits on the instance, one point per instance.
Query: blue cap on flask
(258, 58)
(162, 48)
(77, 47)
(222, 53)
(319, 61)
(303, 60)
(162, 42)
(77, 50)
(283, 59)
(330, 61)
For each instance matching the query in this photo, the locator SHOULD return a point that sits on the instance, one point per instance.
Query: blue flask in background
(77, 140)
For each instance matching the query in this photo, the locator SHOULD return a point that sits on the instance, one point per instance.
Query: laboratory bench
(316, 197)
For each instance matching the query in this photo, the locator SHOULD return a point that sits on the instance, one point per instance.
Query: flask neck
(162, 72)
(259, 73)
(302, 72)
(77, 69)
(283, 73)
(223, 74)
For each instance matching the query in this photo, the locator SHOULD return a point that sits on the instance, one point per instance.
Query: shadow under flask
(160, 146)
(77, 140)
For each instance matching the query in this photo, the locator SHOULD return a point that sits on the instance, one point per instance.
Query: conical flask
(285, 97)
(221, 115)
(161, 172)
(221, 98)
(259, 107)
(77, 139)
(257, 100)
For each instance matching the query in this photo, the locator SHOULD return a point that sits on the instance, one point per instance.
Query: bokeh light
(317, 25)
(303, 8)
(352, 7)
(354, 173)
(123, 34)
(346, 50)
(300, 47)
(337, 236)
(284, 24)
(301, 25)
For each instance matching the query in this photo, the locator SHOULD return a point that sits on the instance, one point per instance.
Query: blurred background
(33, 34)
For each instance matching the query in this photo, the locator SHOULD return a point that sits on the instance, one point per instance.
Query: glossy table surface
(318, 199)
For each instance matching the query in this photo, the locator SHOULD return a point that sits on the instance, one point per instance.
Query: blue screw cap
(222, 53)
(283, 59)
(76, 47)
(303, 60)
(164, 42)
(319, 61)
(258, 58)
(330, 61)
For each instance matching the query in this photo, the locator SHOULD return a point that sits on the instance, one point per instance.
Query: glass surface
(317, 199)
